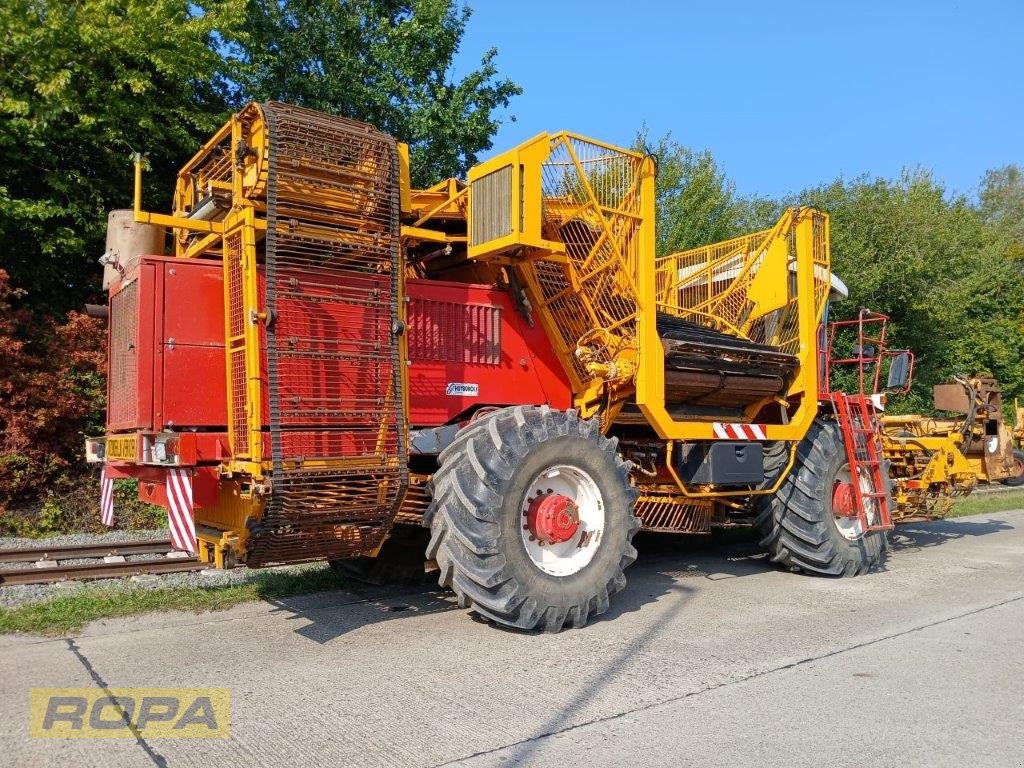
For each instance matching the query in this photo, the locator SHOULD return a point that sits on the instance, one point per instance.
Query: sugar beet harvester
(330, 353)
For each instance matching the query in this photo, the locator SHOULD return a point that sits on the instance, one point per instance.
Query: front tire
(798, 525)
(504, 472)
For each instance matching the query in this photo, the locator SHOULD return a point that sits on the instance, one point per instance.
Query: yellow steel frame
(244, 343)
(233, 162)
(232, 165)
(764, 264)
(581, 241)
(935, 459)
(709, 491)
(598, 289)
(163, 220)
(947, 472)
(945, 462)
(527, 215)
(583, 283)
(244, 179)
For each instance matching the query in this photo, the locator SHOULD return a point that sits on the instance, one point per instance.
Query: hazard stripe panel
(106, 499)
(180, 510)
(739, 431)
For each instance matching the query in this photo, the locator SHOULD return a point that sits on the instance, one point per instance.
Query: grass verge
(64, 614)
(68, 613)
(989, 502)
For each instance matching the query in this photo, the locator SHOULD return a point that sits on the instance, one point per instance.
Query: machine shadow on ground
(910, 537)
(654, 584)
(664, 563)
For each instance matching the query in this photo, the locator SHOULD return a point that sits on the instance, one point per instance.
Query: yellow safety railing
(586, 291)
(747, 286)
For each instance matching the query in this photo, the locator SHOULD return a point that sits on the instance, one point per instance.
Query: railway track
(41, 565)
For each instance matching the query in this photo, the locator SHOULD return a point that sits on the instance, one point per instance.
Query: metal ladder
(863, 452)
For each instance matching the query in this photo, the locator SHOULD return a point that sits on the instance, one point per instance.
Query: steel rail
(161, 565)
(74, 551)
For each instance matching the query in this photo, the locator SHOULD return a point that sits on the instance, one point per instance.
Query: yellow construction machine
(328, 354)
(1018, 439)
(933, 460)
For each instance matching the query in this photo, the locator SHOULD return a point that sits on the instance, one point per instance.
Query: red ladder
(863, 450)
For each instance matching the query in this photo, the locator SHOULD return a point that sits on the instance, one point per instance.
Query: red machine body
(167, 347)
(469, 348)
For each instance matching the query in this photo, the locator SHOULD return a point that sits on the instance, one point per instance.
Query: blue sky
(785, 94)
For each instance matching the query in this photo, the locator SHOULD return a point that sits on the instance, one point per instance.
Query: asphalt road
(711, 658)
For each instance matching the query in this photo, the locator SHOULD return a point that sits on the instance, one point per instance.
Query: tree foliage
(1002, 207)
(86, 83)
(52, 377)
(696, 203)
(946, 269)
(385, 62)
(932, 263)
(83, 84)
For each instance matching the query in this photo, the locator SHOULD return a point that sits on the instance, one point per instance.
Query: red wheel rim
(844, 501)
(553, 518)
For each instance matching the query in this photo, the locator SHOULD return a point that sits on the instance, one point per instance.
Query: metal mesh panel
(822, 262)
(709, 285)
(672, 513)
(236, 307)
(591, 203)
(453, 332)
(239, 421)
(332, 281)
(416, 502)
(123, 383)
(236, 345)
(492, 206)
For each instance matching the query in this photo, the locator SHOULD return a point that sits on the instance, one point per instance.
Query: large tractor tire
(1018, 462)
(802, 526)
(532, 518)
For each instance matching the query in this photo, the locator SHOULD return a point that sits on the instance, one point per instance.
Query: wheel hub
(844, 501)
(552, 518)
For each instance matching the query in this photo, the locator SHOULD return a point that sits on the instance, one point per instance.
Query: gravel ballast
(22, 594)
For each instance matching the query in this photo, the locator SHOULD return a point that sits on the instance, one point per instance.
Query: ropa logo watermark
(129, 713)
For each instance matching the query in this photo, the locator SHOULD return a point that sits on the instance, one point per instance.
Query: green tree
(932, 262)
(385, 62)
(696, 204)
(1002, 206)
(83, 84)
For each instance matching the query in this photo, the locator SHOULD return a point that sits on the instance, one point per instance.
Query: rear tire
(798, 526)
(479, 534)
(1018, 479)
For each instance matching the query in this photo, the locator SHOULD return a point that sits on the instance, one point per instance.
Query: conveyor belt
(707, 368)
(337, 432)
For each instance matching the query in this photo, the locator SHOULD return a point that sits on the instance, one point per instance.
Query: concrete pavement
(710, 657)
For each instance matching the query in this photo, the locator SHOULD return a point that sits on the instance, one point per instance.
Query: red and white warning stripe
(106, 499)
(739, 431)
(180, 512)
